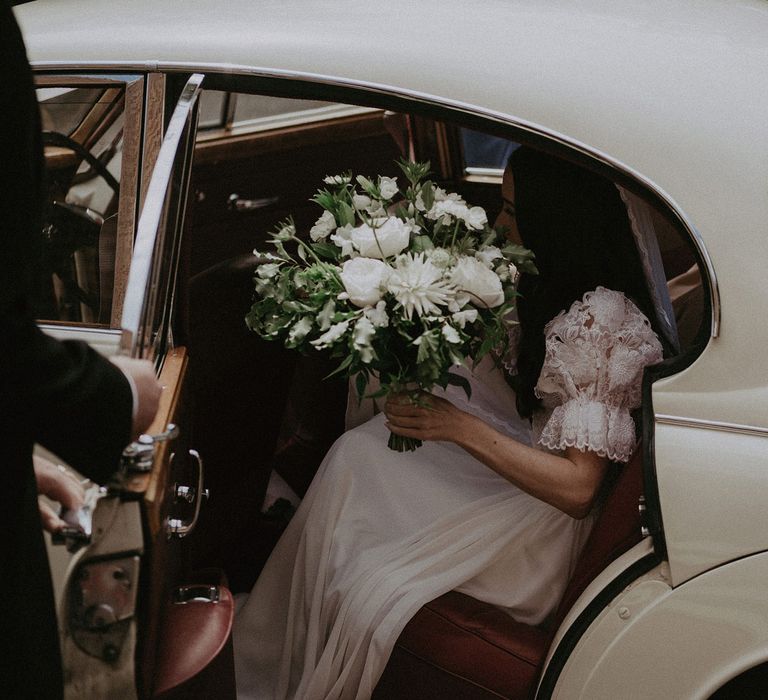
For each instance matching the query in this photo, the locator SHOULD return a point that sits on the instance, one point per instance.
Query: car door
(116, 585)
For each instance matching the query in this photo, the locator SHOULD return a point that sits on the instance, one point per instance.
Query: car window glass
(246, 112)
(83, 144)
(485, 154)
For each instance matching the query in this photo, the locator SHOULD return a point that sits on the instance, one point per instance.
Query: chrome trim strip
(683, 422)
(151, 215)
(76, 331)
(426, 98)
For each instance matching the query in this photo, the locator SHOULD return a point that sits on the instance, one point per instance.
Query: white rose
(388, 187)
(390, 237)
(323, 226)
(363, 278)
(482, 285)
(475, 218)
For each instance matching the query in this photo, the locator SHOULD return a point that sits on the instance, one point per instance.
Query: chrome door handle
(176, 527)
(236, 203)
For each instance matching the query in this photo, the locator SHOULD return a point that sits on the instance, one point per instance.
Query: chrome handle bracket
(176, 527)
(140, 454)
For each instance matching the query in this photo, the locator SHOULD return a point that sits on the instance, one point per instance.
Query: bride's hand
(430, 418)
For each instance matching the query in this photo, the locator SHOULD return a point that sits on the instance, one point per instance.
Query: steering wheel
(56, 138)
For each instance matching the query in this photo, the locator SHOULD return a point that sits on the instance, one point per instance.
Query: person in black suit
(62, 395)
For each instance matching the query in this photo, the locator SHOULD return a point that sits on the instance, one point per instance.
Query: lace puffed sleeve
(591, 378)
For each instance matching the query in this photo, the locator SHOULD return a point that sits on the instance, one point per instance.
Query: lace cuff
(609, 431)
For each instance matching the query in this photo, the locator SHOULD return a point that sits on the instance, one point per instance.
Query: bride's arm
(569, 483)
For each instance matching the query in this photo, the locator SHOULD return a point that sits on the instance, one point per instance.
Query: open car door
(127, 603)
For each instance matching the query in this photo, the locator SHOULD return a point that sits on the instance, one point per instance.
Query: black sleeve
(73, 401)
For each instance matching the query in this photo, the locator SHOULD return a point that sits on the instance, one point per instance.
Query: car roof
(675, 91)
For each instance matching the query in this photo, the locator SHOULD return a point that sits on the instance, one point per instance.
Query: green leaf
(346, 362)
(458, 380)
(422, 243)
(361, 382)
(428, 195)
(346, 214)
(327, 250)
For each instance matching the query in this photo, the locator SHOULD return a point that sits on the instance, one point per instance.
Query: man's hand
(148, 390)
(59, 485)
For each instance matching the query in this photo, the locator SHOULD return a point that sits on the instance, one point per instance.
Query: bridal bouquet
(400, 283)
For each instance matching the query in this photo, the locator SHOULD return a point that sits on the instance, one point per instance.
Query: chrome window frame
(142, 290)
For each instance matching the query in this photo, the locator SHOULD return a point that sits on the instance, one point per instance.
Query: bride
(499, 500)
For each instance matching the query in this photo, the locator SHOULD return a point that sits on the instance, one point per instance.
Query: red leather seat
(458, 647)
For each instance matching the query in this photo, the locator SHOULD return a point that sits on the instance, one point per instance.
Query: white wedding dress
(380, 533)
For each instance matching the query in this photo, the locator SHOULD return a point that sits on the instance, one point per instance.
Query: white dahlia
(418, 284)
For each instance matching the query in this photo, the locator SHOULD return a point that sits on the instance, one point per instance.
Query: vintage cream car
(179, 132)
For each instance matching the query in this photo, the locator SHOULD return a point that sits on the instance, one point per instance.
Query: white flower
(361, 201)
(362, 335)
(448, 207)
(325, 315)
(323, 226)
(514, 273)
(475, 218)
(364, 278)
(288, 231)
(417, 284)
(343, 239)
(482, 285)
(388, 237)
(441, 195)
(268, 270)
(300, 329)
(451, 334)
(439, 257)
(388, 187)
(378, 316)
(488, 254)
(462, 318)
(336, 331)
(336, 180)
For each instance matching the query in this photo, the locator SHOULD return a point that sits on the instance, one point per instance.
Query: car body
(669, 99)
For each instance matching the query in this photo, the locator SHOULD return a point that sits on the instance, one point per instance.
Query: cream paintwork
(675, 92)
(622, 563)
(673, 643)
(713, 491)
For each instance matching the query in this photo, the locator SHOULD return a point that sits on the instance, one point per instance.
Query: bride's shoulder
(601, 310)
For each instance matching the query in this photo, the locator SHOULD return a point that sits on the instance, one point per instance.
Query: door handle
(176, 527)
(237, 203)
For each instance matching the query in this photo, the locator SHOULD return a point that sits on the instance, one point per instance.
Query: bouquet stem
(402, 444)
(398, 442)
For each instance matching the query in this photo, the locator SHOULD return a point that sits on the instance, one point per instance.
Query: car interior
(263, 417)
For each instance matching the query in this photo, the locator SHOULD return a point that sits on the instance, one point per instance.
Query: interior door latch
(140, 454)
